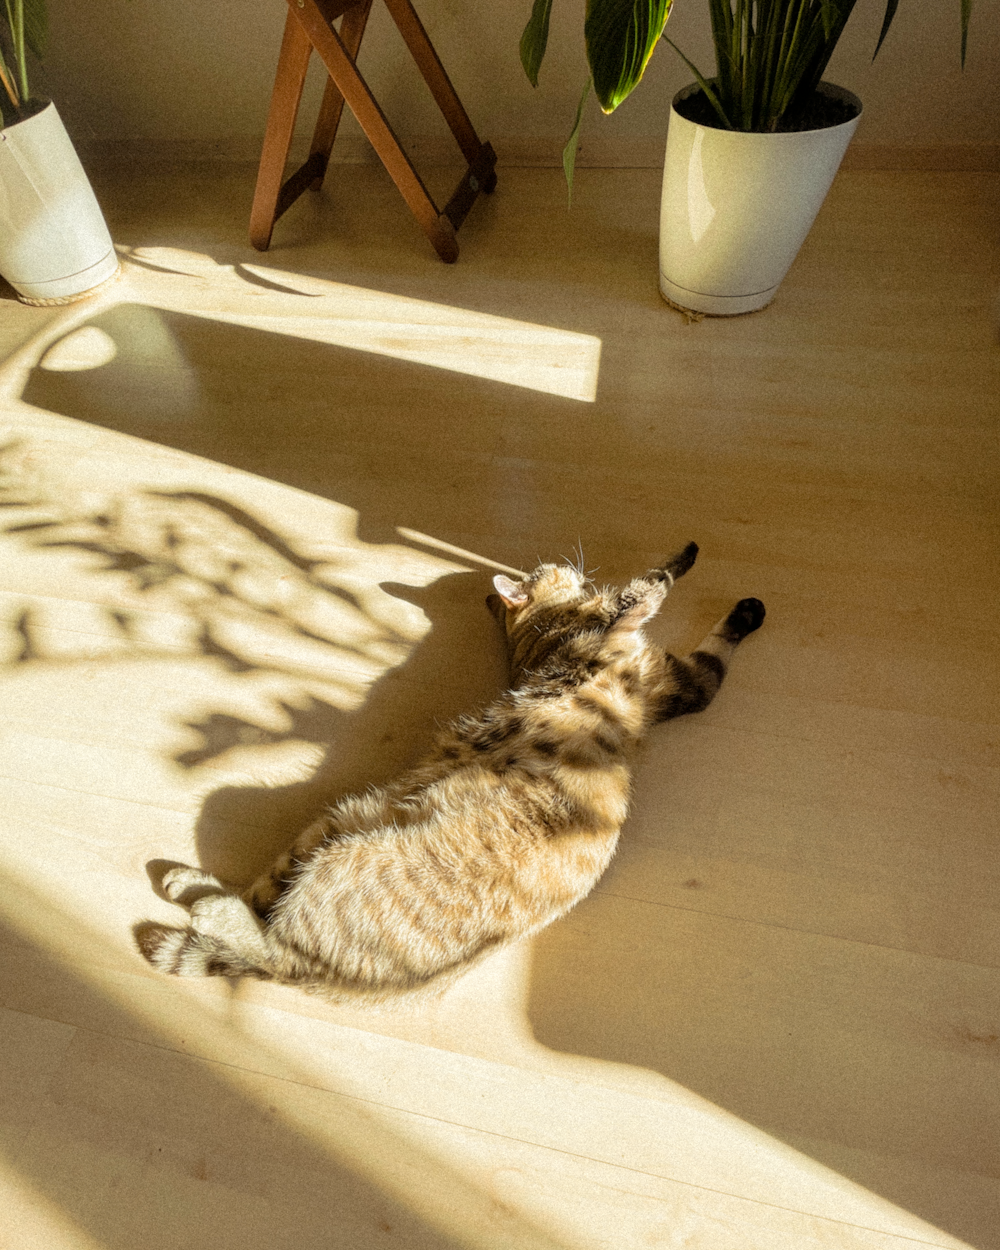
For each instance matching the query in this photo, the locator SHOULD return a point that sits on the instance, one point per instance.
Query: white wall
(183, 77)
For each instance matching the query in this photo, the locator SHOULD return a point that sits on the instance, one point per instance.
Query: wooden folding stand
(310, 25)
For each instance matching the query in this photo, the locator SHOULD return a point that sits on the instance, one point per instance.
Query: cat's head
(550, 586)
(557, 602)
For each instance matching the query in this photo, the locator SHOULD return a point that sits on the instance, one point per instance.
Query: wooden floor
(252, 504)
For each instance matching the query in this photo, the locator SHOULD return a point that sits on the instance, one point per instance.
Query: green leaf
(27, 24)
(704, 84)
(36, 26)
(966, 14)
(535, 39)
(890, 13)
(621, 36)
(569, 151)
(828, 12)
(8, 84)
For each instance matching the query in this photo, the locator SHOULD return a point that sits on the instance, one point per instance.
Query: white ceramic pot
(54, 245)
(737, 207)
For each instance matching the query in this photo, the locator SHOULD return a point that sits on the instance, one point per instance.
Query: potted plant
(751, 151)
(54, 244)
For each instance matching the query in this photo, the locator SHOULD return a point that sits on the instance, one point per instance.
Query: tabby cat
(508, 823)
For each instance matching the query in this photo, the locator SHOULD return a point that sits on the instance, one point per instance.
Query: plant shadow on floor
(246, 594)
(314, 417)
(260, 613)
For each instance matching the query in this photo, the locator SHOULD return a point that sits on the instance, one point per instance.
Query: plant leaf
(569, 151)
(27, 24)
(828, 12)
(966, 14)
(535, 39)
(36, 26)
(890, 13)
(621, 36)
(704, 84)
(8, 82)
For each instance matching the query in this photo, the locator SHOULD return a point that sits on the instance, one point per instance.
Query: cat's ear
(512, 593)
(637, 603)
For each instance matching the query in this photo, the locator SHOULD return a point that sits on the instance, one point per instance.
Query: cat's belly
(478, 870)
(566, 869)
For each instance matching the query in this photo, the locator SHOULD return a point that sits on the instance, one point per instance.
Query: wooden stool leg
(429, 64)
(352, 28)
(365, 108)
(293, 62)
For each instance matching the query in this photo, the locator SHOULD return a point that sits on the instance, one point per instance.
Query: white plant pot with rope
(54, 244)
(737, 206)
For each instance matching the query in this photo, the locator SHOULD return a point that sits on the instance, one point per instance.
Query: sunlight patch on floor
(34, 1222)
(407, 1118)
(202, 1020)
(519, 353)
(452, 1137)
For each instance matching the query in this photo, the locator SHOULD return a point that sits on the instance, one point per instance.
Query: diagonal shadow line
(309, 414)
(269, 284)
(762, 1047)
(125, 1094)
(240, 271)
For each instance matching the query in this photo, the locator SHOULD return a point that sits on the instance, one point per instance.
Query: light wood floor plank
(775, 1022)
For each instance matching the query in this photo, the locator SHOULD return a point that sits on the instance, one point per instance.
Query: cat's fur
(506, 825)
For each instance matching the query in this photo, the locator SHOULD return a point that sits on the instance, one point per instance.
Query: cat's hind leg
(269, 886)
(184, 885)
(223, 939)
(689, 685)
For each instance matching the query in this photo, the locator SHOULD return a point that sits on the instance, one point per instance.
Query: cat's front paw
(683, 561)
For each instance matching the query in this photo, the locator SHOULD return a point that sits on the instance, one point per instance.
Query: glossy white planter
(54, 245)
(737, 207)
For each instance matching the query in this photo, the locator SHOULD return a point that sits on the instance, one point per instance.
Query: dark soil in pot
(821, 112)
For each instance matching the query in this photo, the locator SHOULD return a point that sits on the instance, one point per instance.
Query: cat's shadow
(460, 664)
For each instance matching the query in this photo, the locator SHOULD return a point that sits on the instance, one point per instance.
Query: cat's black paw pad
(747, 616)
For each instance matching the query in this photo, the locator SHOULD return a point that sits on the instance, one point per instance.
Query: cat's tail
(224, 938)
